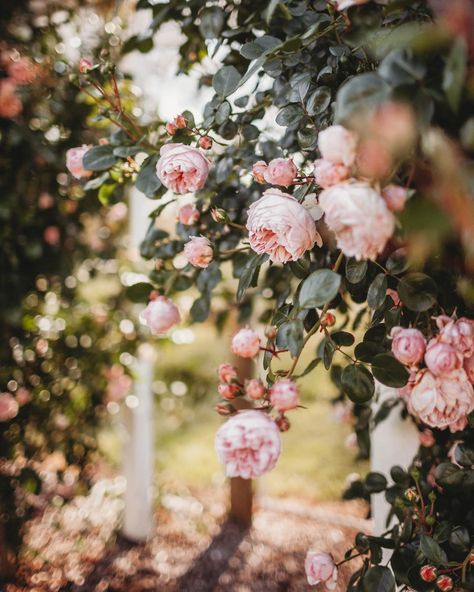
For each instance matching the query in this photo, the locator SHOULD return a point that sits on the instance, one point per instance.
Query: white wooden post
(394, 441)
(138, 451)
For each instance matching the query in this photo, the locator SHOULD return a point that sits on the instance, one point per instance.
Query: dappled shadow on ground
(194, 549)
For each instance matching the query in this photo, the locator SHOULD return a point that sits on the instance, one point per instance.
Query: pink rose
(119, 383)
(393, 294)
(258, 171)
(469, 368)
(198, 251)
(280, 171)
(246, 343)
(326, 173)
(23, 396)
(228, 391)
(394, 125)
(255, 389)
(284, 395)
(442, 401)
(8, 407)
(359, 217)
(188, 215)
(248, 444)
(160, 315)
(374, 160)
(459, 334)
(395, 197)
(281, 227)
(74, 161)
(338, 145)
(10, 103)
(426, 438)
(442, 358)
(181, 168)
(227, 373)
(408, 345)
(205, 142)
(320, 569)
(23, 71)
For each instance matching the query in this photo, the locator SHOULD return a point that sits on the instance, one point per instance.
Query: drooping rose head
(281, 227)
(442, 401)
(248, 444)
(280, 171)
(188, 214)
(284, 395)
(198, 251)
(326, 173)
(8, 407)
(245, 343)
(160, 315)
(442, 358)
(74, 161)
(408, 345)
(227, 373)
(258, 171)
(459, 334)
(182, 168)
(254, 389)
(10, 102)
(359, 217)
(338, 145)
(395, 197)
(320, 569)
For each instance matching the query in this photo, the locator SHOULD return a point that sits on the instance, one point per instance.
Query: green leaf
(200, 309)
(226, 81)
(99, 158)
(342, 338)
(147, 180)
(455, 73)
(355, 270)
(291, 336)
(432, 550)
(377, 291)
(400, 67)
(270, 9)
(105, 192)
(358, 383)
(289, 115)
(367, 350)
(319, 288)
(318, 101)
(212, 21)
(256, 48)
(96, 182)
(379, 579)
(375, 482)
(417, 291)
(139, 292)
(459, 539)
(360, 92)
(388, 370)
(248, 276)
(448, 475)
(309, 368)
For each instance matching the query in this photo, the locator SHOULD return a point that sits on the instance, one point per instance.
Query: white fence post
(138, 451)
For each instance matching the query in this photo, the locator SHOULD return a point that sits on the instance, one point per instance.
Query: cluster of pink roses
(440, 393)
(20, 72)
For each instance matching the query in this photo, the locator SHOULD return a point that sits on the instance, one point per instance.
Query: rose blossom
(74, 161)
(426, 438)
(374, 160)
(393, 294)
(258, 171)
(442, 401)
(228, 391)
(359, 217)
(442, 358)
(23, 71)
(459, 334)
(280, 171)
(281, 227)
(328, 173)
(254, 389)
(395, 197)
(182, 168)
(469, 368)
(227, 373)
(428, 573)
(160, 315)
(205, 142)
(408, 345)
(8, 407)
(22, 396)
(10, 103)
(337, 144)
(198, 251)
(188, 214)
(284, 395)
(248, 444)
(246, 343)
(320, 568)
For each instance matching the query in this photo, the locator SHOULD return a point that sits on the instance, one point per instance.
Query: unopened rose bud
(205, 142)
(411, 495)
(445, 583)
(227, 373)
(171, 128)
(85, 65)
(220, 216)
(154, 295)
(283, 423)
(180, 122)
(271, 332)
(428, 573)
(254, 389)
(225, 409)
(228, 391)
(328, 320)
(430, 520)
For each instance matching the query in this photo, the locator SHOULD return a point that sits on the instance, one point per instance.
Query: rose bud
(283, 423)
(328, 173)
(198, 251)
(428, 573)
(85, 65)
(225, 409)
(74, 161)
(171, 128)
(280, 171)
(320, 568)
(219, 215)
(246, 343)
(205, 142)
(160, 315)
(180, 122)
(408, 345)
(254, 389)
(188, 215)
(258, 171)
(411, 494)
(445, 583)
(393, 294)
(329, 320)
(284, 395)
(227, 373)
(271, 332)
(228, 391)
